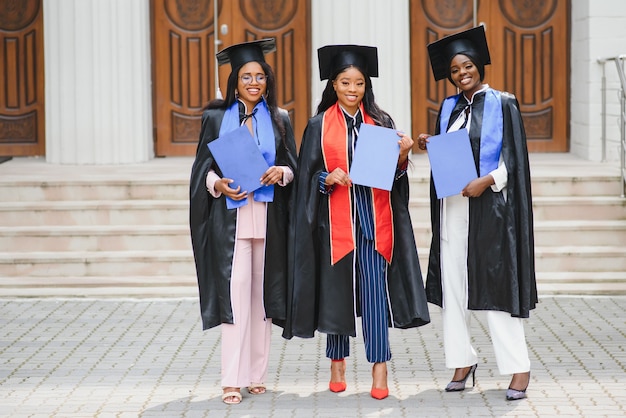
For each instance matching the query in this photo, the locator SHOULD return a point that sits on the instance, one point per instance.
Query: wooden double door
(529, 47)
(22, 123)
(184, 69)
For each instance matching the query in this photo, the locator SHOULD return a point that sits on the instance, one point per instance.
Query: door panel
(432, 20)
(22, 123)
(183, 54)
(184, 61)
(288, 22)
(529, 47)
(535, 67)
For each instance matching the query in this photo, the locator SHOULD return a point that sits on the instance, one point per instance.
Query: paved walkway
(149, 358)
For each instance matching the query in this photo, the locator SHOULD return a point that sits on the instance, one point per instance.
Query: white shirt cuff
(500, 177)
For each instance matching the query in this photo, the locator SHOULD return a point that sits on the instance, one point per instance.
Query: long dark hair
(270, 95)
(329, 98)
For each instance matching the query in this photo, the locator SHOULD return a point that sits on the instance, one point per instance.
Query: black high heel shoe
(459, 385)
(515, 394)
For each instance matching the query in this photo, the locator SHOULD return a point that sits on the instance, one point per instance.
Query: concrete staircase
(123, 230)
(580, 225)
(95, 231)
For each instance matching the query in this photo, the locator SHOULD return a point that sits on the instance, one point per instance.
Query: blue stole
(263, 132)
(491, 130)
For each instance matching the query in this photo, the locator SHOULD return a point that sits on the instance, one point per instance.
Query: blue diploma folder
(375, 157)
(451, 162)
(239, 158)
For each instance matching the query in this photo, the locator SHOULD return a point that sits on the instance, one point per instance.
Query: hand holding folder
(375, 157)
(239, 158)
(451, 162)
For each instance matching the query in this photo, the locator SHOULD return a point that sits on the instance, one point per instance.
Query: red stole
(335, 152)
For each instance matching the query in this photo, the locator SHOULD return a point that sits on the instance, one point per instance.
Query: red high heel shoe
(376, 392)
(338, 386)
(379, 393)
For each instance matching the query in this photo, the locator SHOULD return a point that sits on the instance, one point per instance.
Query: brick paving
(87, 357)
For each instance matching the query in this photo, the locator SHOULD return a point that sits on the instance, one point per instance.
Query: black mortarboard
(443, 50)
(332, 57)
(240, 54)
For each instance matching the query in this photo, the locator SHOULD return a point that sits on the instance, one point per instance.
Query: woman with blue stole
(482, 250)
(353, 251)
(239, 238)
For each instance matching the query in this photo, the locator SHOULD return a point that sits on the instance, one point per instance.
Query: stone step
(579, 208)
(94, 238)
(178, 189)
(24, 179)
(591, 186)
(580, 232)
(548, 186)
(552, 208)
(94, 190)
(97, 263)
(172, 212)
(556, 233)
(95, 212)
(99, 286)
(176, 237)
(580, 259)
(32, 179)
(581, 283)
(548, 283)
(180, 262)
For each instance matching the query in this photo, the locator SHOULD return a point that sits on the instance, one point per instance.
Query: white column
(383, 24)
(97, 78)
(598, 30)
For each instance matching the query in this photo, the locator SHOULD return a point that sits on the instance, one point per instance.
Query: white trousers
(246, 342)
(507, 332)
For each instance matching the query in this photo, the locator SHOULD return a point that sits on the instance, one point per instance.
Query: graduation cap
(442, 51)
(332, 57)
(240, 54)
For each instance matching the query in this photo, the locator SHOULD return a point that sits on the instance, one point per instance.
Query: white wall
(97, 78)
(598, 31)
(383, 24)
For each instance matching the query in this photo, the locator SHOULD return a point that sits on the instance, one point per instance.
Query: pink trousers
(246, 342)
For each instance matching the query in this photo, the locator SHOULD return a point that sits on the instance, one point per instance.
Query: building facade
(103, 61)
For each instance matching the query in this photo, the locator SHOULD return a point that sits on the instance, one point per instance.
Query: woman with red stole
(352, 250)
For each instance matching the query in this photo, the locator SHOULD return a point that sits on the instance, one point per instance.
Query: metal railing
(619, 65)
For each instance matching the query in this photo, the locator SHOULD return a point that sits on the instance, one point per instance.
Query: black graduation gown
(213, 231)
(322, 296)
(501, 255)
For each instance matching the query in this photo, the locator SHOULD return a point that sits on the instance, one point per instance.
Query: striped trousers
(370, 272)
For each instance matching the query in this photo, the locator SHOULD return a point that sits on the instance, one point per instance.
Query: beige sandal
(256, 389)
(226, 397)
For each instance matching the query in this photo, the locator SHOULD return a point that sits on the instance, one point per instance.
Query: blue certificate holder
(451, 162)
(238, 156)
(375, 157)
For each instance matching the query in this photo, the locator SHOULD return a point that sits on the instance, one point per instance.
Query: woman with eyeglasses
(239, 237)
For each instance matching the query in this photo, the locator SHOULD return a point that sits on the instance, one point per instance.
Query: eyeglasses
(247, 78)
